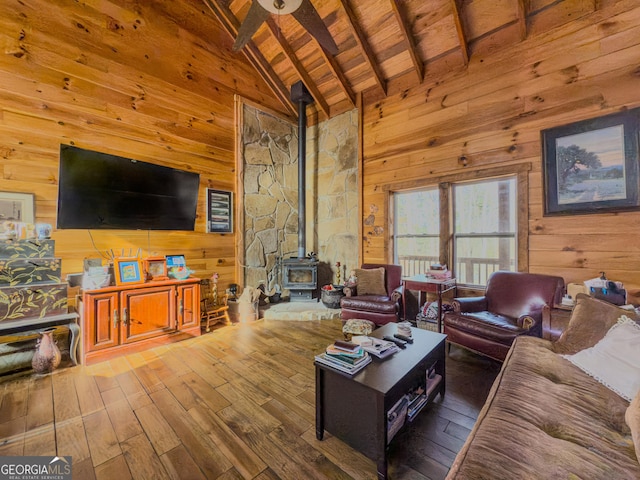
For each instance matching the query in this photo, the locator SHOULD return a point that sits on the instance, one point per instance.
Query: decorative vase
(331, 298)
(47, 355)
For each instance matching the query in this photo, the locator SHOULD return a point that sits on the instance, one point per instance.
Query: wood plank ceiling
(387, 46)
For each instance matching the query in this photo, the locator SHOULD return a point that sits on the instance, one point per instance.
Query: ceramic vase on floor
(47, 355)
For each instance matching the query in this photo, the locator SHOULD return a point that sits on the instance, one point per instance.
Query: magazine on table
(340, 365)
(375, 346)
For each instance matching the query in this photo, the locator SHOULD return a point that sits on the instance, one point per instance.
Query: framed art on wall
(219, 211)
(17, 207)
(591, 166)
(128, 270)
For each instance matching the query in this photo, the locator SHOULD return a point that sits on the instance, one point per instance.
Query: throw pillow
(615, 360)
(590, 320)
(371, 281)
(632, 417)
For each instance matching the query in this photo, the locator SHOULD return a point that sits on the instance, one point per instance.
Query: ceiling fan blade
(308, 17)
(256, 17)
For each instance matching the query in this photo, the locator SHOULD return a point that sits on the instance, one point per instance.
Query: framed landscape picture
(591, 166)
(219, 211)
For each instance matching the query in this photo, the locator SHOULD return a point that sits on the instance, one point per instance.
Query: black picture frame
(591, 166)
(219, 211)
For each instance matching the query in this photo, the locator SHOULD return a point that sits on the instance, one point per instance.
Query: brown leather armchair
(514, 304)
(381, 307)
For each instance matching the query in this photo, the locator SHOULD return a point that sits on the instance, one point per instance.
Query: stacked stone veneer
(270, 149)
(270, 183)
(332, 149)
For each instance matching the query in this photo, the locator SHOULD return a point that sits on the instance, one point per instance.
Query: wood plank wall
(493, 113)
(124, 78)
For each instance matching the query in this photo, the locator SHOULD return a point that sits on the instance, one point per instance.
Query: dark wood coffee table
(354, 409)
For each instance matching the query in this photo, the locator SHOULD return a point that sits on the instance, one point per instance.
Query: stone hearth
(303, 311)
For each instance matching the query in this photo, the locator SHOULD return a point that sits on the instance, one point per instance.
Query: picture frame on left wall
(17, 207)
(219, 211)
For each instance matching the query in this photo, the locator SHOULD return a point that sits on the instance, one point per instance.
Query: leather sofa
(514, 304)
(380, 308)
(545, 418)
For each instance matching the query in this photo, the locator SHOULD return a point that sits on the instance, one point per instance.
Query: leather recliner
(380, 309)
(514, 304)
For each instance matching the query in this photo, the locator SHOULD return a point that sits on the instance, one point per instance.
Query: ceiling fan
(302, 10)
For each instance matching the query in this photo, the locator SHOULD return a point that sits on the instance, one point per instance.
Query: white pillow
(615, 360)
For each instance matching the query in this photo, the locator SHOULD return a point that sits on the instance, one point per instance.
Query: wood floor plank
(114, 469)
(65, 399)
(40, 441)
(205, 392)
(71, 439)
(12, 436)
(133, 389)
(83, 470)
(40, 403)
(211, 461)
(103, 442)
(89, 397)
(15, 398)
(180, 465)
(142, 459)
(160, 434)
(124, 421)
(241, 456)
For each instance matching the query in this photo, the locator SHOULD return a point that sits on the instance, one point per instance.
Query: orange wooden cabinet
(125, 319)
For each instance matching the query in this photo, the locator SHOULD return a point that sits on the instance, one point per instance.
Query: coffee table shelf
(354, 409)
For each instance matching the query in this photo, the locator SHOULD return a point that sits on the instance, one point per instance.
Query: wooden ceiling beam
(464, 45)
(363, 45)
(522, 19)
(299, 68)
(405, 29)
(338, 73)
(231, 24)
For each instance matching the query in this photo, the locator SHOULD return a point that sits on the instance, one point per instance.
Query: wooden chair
(213, 309)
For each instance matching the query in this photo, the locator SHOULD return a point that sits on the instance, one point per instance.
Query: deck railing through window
(469, 271)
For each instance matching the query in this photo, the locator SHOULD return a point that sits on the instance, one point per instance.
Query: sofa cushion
(632, 417)
(615, 360)
(545, 418)
(590, 320)
(371, 281)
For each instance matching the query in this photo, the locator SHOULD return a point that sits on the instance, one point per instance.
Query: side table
(423, 283)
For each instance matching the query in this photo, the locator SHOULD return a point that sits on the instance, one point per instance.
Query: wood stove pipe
(302, 97)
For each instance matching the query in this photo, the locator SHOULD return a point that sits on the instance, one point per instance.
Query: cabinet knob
(180, 307)
(116, 319)
(125, 318)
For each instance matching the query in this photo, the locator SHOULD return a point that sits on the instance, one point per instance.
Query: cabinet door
(100, 320)
(188, 305)
(147, 313)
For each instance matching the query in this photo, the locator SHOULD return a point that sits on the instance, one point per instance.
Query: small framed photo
(155, 268)
(177, 267)
(128, 270)
(17, 207)
(591, 166)
(219, 211)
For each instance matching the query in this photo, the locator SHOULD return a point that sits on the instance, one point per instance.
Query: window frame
(444, 183)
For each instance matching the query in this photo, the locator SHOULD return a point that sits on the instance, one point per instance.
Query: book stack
(344, 356)
(439, 272)
(376, 347)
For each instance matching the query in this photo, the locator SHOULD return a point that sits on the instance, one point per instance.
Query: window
(416, 230)
(484, 229)
(477, 225)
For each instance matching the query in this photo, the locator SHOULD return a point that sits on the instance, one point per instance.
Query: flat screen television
(101, 191)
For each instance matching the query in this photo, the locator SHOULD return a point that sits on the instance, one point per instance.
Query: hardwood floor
(235, 403)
